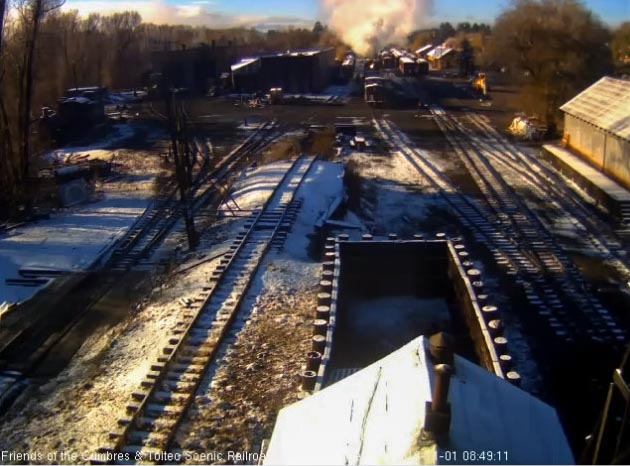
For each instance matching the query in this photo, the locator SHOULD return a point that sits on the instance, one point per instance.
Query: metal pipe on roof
(441, 384)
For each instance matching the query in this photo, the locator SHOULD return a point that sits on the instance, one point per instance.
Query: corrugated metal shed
(606, 104)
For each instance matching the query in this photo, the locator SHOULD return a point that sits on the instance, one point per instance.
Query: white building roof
(423, 49)
(606, 104)
(407, 60)
(243, 63)
(374, 417)
(439, 52)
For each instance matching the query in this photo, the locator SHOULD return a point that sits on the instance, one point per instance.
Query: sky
(273, 13)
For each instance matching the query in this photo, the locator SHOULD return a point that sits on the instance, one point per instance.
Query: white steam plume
(370, 24)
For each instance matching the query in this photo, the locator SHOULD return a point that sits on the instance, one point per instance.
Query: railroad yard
(134, 345)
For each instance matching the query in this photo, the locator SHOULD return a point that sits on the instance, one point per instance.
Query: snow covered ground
(236, 405)
(395, 196)
(74, 238)
(231, 411)
(71, 240)
(74, 412)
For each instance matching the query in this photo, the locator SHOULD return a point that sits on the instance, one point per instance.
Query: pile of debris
(529, 128)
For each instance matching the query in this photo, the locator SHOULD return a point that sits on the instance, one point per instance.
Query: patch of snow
(321, 186)
(255, 186)
(72, 240)
(401, 194)
(98, 150)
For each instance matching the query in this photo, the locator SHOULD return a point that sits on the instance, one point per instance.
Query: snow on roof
(606, 104)
(287, 53)
(243, 63)
(86, 88)
(303, 52)
(77, 100)
(439, 52)
(374, 417)
(407, 60)
(423, 49)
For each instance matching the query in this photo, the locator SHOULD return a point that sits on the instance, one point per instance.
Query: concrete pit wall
(428, 269)
(599, 195)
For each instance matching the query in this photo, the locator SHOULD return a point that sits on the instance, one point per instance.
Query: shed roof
(424, 49)
(374, 417)
(244, 63)
(439, 52)
(606, 104)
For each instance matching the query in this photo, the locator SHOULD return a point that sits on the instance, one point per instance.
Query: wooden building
(597, 127)
(442, 58)
(300, 71)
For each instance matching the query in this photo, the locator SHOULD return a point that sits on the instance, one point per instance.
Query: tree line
(551, 49)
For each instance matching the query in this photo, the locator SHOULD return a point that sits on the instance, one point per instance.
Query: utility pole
(183, 167)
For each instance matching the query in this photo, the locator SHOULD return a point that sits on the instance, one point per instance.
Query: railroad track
(469, 212)
(160, 217)
(582, 313)
(207, 328)
(31, 344)
(550, 184)
(518, 240)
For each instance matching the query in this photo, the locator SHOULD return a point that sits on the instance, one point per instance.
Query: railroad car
(407, 66)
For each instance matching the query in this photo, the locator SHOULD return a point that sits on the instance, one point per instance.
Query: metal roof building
(293, 71)
(597, 126)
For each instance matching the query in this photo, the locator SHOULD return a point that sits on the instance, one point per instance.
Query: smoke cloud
(368, 25)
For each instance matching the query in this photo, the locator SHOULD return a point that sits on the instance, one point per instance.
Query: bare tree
(43, 52)
(620, 44)
(557, 47)
(31, 12)
(3, 7)
(122, 30)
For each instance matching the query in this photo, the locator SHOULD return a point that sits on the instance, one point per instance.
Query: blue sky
(248, 12)
(611, 11)
(455, 10)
